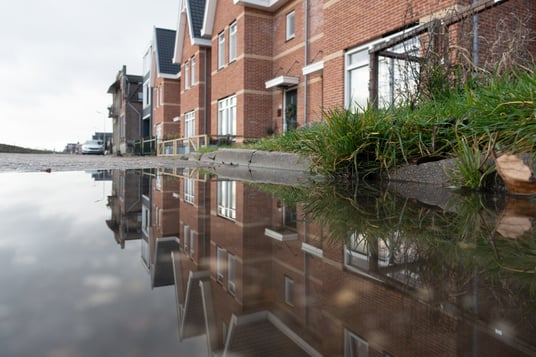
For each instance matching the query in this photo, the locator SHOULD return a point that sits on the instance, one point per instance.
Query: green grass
(4, 148)
(493, 112)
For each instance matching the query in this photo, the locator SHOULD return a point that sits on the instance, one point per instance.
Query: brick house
(165, 84)
(125, 111)
(269, 66)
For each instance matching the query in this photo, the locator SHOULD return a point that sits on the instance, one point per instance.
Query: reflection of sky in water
(66, 287)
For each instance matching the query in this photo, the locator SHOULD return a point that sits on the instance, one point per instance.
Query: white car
(93, 147)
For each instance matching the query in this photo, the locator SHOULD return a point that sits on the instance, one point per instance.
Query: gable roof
(164, 45)
(191, 14)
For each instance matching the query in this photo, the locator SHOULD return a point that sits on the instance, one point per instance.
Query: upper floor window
(221, 50)
(186, 75)
(227, 116)
(146, 95)
(289, 291)
(232, 42)
(291, 26)
(193, 71)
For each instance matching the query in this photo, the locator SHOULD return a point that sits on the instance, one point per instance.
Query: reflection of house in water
(126, 207)
(258, 278)
(101, 175)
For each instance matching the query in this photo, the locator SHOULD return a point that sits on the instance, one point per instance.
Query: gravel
(66, 162)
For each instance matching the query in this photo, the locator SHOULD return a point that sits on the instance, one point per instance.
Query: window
(221, 50)
(227, 116)
(186, 75)
(289, 291)
(185, 239)
(189, 124)
(193, 71)
(227, 199)
(146, 95)
(397, 77)
(189, 190)
(232, 42)
(220, 255)
(354, 346)
(231, 273)
(291, 25)
(192, 243)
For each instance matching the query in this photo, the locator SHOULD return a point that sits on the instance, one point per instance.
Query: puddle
(180, 262)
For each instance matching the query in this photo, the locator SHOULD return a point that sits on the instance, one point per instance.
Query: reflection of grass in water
(453, 242)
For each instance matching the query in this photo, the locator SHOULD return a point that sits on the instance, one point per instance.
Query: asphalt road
(66, 162)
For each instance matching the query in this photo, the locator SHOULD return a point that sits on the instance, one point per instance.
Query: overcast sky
(58, 58)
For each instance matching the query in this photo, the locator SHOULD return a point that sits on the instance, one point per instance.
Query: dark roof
(197, 14)
(165, 45)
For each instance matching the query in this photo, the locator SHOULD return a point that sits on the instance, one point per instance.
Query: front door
(290, 120)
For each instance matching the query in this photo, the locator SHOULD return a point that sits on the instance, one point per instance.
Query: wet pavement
(66, 162)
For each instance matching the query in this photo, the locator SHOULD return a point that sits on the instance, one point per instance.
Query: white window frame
(192, 243)
(186, 75)
(193, 71)
(189, 190)
(390, 79)
(227, 116)
(221, 50)
(185, 242)
(291, 25)
(231, 273)
(233, 43)
(189, 124)
(220, 256)
(354, 346)
(289, 291)
(226, 197)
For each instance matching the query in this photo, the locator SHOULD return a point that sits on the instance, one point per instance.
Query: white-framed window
(397, 77)
(192, 243)
(161, 95)
(186, 75)
(146, 94)
(227, 116)
(232, 42)
(227, 199)
(354, 346)
(231, 273)
(291, 25)
(159, 131)
(289, 291)
(193, 71)
(221, 50)
(220, 256)
(189, 124)
(189, 193)
(185, 239)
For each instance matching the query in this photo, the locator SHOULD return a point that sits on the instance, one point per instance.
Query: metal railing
(181, 146)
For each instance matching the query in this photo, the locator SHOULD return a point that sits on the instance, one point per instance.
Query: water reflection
(249, 269)
(267, 270)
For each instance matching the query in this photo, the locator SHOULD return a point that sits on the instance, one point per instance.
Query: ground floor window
(227, 116)
(397, 75)
(227, 199)
(189, 124)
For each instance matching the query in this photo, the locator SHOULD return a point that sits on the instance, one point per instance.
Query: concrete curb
(255, 159)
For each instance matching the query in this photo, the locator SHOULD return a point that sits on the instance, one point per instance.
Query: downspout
(205, 95)
(475, 38)
(306, 61)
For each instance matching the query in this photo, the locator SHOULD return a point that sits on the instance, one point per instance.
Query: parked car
(93, 147)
